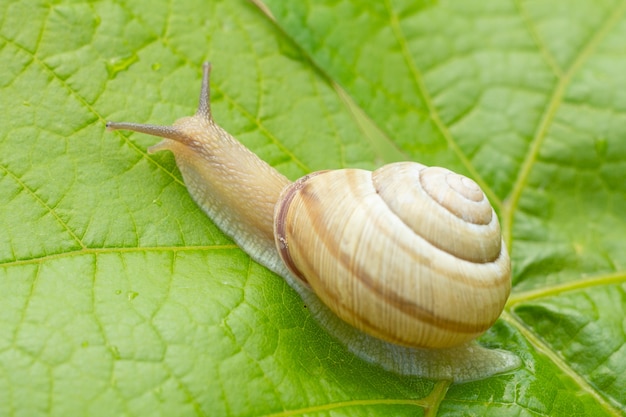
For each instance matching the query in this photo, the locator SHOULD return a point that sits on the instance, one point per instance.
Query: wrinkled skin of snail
(405, 268)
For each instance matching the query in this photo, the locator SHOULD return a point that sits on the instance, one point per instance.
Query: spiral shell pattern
(410, 254)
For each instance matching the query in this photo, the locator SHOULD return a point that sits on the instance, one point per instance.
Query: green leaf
(119, 297)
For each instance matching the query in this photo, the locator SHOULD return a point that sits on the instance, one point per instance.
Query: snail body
(404, 265)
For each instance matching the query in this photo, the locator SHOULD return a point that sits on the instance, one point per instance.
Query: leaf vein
(543, 50)
(432, 110)
(547, 118)
(540, 345)
(43, 204)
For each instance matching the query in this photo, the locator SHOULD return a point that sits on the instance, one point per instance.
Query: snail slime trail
(414, 302)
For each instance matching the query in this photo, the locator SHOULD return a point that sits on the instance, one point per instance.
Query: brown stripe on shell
(399, 339)
(280, 215)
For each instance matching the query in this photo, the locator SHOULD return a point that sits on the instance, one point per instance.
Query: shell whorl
(394, 254)
(450, 201)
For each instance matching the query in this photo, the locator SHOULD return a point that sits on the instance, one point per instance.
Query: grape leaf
(119, 297)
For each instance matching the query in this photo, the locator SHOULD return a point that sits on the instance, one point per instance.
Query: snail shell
(404, 265)
(410, 254)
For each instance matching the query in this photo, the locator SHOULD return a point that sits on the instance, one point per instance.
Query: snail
(405, 265)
